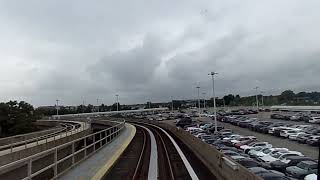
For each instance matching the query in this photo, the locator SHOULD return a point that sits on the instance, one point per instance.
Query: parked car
(246, 148)
(302, 169)
(273, 176)
(296, 117)
(279, 156)
(313, 140)
(315, 120)
(233, 153)
(210, 141)
(255, 150)
(302, 138)
(287, 133)
(295, 135)
(231, 137)
(267, 128)
(313, 176)
(184, 121)
(240, 139)
(277, 130)
(268, 151)
(248, 162)
(241, 143)
(290, 161)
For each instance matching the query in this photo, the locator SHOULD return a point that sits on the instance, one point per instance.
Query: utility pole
(57, 107)
(224, 104)
(214, 102)
(257, 100)
(198, 87)
(117, 99)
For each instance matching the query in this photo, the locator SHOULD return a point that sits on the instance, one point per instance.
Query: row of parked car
(261, 158)
(297, 117)
(307, 134)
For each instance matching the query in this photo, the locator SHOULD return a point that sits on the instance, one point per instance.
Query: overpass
(133, 149)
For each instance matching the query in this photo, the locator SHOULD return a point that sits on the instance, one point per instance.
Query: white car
(234, 136)
(199, 135)
(192, 129)
(271, 130)
(314, 120)
(287, 133)
(279, 156)
(256, 150)
(269, 151)
(294, 136)
(246, 148)
(246, 138)
(311, 177)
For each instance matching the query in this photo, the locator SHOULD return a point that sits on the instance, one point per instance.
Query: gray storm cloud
(155, 50)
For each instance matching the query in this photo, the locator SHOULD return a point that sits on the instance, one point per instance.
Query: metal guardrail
(55, 135)
(10, 138)
(90, 144)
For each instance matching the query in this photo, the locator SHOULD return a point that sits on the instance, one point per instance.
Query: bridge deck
(97, 165)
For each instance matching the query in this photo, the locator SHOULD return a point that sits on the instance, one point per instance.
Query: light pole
(214, 102)
(262, 103)
(224, 104)
(204, 100)
(98, 105)
(256, 88)
(171, 104)
(57, 107)
(117, 97)
(198, 87)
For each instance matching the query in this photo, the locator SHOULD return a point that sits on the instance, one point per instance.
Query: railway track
(134, 162)
(171, 163)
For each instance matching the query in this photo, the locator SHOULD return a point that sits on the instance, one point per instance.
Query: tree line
(17, 118)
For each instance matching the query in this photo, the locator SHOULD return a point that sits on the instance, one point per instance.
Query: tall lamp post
(204, 100)
(198, 87)
(214, 102)
(98, 105)
(117, 99)
(171, 103)
(256, 88)
(262, 103)
(57, 106)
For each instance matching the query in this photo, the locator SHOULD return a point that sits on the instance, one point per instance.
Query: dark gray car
(302, 169)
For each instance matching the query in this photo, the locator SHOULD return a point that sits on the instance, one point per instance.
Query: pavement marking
(153, 165)
(108, 165)
(192, 174)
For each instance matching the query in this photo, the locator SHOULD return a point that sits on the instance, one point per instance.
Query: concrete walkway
(99, 163)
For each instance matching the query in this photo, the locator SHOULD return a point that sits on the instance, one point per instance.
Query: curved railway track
(133, 163)
(172, 164)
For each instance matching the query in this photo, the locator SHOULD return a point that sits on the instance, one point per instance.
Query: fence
(60, 133)
(53, 162)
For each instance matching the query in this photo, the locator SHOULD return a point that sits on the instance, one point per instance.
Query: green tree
(16, 118)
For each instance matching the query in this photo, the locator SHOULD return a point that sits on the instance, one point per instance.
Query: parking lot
(275, 141)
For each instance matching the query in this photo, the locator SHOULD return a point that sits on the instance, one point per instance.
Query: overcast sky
(148, 50)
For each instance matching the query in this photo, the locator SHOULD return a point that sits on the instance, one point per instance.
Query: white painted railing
(81, 149)
(62, 132)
